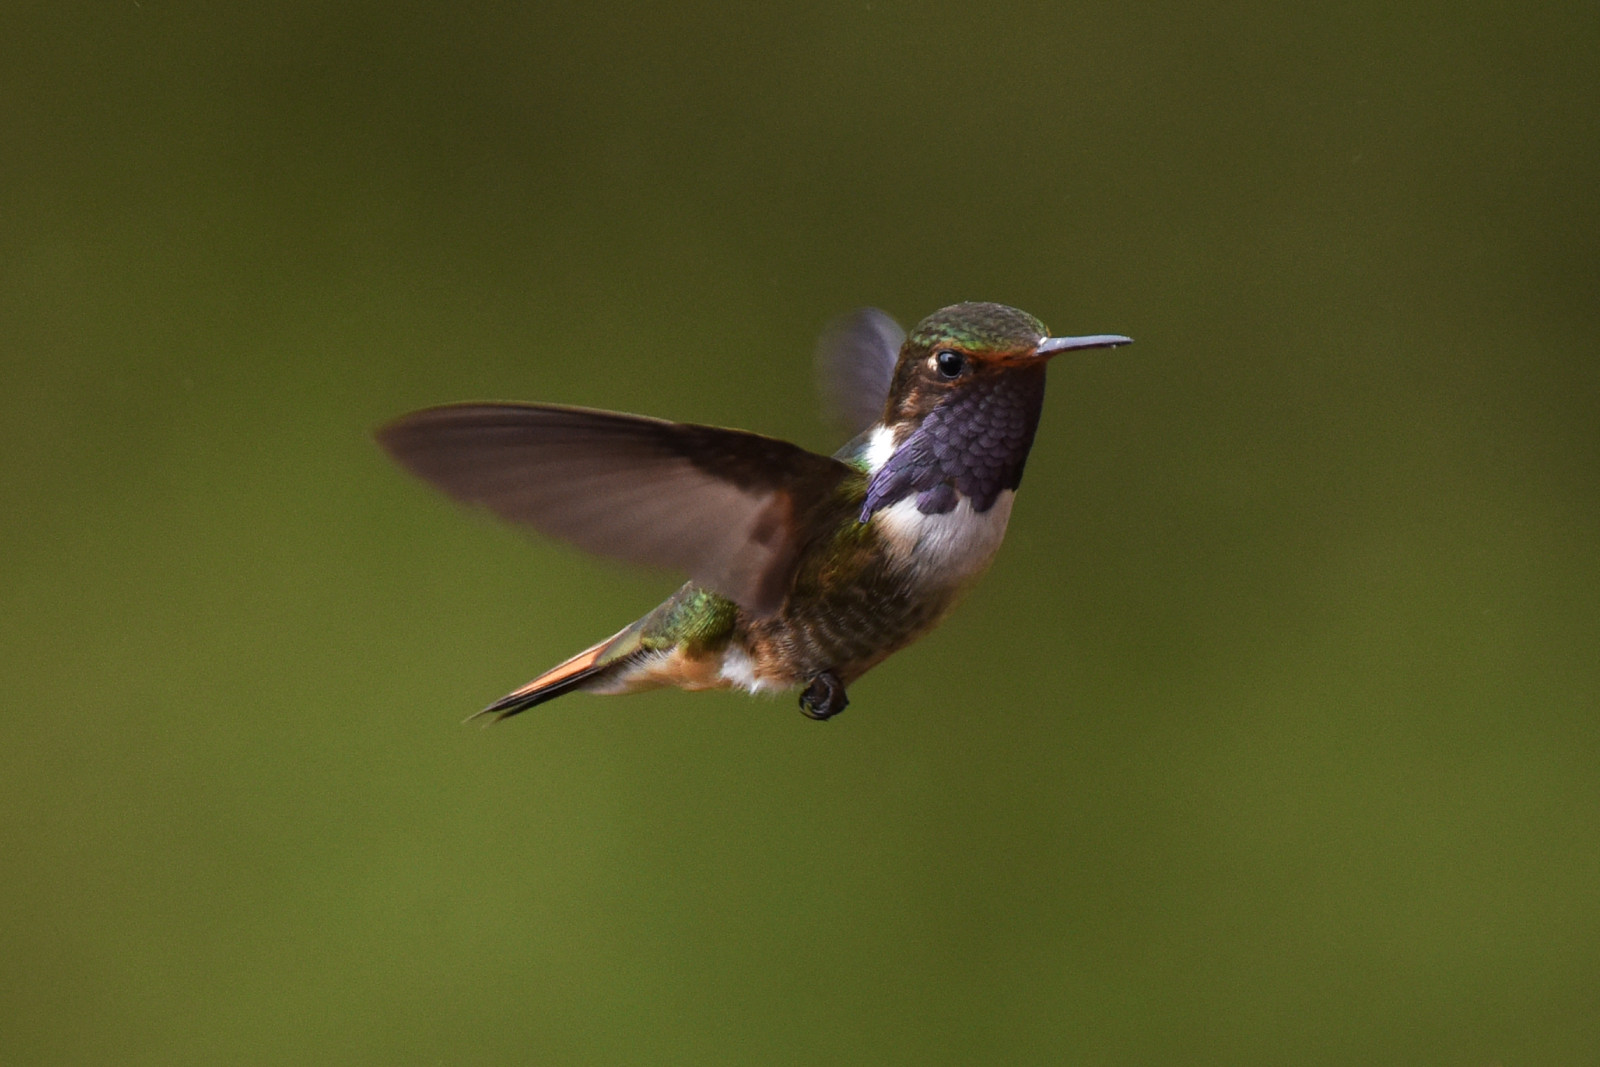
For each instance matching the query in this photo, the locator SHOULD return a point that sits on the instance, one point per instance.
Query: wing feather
(728, 507)
(855, 357)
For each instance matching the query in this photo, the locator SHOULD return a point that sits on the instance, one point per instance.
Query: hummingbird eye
(949, 364)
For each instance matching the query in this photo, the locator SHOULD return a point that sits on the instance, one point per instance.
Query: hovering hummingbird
(805, 571)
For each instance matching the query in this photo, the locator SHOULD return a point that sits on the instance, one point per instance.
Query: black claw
(824, 697)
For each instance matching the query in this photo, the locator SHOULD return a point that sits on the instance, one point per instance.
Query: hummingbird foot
(824, 697)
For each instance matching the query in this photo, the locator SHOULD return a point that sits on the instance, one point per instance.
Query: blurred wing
(726, 506)
(856, 355)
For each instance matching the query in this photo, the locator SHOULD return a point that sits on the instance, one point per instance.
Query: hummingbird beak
(1054, 346)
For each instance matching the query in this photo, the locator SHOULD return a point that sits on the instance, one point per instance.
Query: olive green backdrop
(1273, 736)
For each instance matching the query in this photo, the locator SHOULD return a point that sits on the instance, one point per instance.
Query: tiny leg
(824, 697)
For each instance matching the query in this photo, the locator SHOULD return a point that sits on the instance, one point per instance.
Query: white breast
(941, 549)
(944, 548)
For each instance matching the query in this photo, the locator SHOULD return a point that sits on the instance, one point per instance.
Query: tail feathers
(614, 653)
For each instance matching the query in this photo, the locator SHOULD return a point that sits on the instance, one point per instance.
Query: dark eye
(950, 364)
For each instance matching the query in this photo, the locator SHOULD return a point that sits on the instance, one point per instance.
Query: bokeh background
(1272, 737)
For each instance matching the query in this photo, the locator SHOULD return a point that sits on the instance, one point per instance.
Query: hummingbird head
(967, 347)
(963, 405)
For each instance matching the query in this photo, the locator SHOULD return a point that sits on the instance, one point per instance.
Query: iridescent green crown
(979, 327)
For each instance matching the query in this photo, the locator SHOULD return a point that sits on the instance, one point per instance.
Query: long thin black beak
(1054, 346)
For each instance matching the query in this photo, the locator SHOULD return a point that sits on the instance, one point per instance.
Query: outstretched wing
(856, 355)
(726, 506)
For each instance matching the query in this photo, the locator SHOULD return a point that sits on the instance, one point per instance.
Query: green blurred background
(1273, 736)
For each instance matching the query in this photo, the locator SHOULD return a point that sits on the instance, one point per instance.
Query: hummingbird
(805, 571)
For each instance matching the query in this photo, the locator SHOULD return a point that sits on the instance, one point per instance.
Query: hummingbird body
(807, 571)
